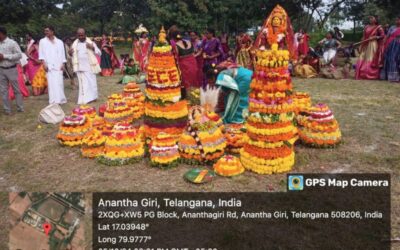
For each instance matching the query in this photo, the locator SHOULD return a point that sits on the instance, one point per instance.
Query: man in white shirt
(52, 55)
(10, 54)
(83, 52)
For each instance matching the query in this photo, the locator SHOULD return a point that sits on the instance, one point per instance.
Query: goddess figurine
(276, 33)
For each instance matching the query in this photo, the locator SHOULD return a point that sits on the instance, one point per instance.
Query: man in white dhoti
(83, 52)
(52, 55)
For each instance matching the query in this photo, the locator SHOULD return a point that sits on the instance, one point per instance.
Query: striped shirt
(11, 52)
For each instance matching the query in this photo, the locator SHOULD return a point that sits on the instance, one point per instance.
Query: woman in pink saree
(33, 60)
(370, 59)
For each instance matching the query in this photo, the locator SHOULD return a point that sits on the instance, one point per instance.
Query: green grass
(368, 113)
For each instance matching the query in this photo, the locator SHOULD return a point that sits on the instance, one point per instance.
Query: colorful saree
(21, 84)
(141, 50)
(391, 56)
(39, 82)
(32, 67)
(369, 60)
(236, 82)
(108, 59)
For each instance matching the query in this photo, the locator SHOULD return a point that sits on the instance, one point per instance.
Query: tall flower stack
(318, 127)
(164, 151)
(72, 130)
(134, 98)
(270, 130)
(165, 111)
(124, 146)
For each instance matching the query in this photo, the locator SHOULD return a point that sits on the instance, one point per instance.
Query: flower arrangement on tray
(228, 165)
(165, 111)
(164, 151)
(270, 129)
(72, 130)
(123, 146)
(318, 127)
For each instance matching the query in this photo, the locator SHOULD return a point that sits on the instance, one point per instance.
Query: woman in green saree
(235, 82)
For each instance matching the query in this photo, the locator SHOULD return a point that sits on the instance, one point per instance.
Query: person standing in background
(10, 54)
(198, 54)
(330, 46)
(371, 48)
(52, 55)
(212, 53)
(338, 34)
(184, 54)
(83, 53)
(302, 46)
(391, 55)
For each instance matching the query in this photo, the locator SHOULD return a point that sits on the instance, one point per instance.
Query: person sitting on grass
(131, 72)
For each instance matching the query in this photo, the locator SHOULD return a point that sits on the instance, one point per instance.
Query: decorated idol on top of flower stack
(318, 127)
(270, 130)
(165, 111)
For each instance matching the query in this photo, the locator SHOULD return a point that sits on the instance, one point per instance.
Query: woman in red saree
(303, 47)
(371, 49)
(108, 60)
(187, 64)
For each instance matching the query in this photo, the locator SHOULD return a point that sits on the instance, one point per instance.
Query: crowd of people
(203, 59)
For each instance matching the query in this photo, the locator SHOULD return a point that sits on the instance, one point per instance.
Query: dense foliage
(121, 17)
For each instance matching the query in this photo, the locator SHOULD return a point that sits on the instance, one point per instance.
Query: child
(130, 71)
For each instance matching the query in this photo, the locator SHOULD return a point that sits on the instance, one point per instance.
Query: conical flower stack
(318, 127)
(124, 146)
(164, 151)
(117, 110)
(270, 129)
(165, 111)
(134, 98)
(72, 130)
(94, 140)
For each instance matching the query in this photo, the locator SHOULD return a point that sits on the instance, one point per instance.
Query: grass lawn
(368, 112)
